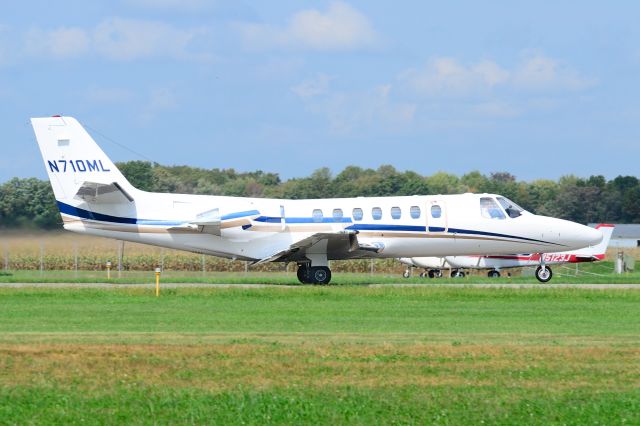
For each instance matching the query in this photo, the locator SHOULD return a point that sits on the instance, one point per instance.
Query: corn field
(62, 251)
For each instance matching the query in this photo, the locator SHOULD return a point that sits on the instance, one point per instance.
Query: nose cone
(577, 236)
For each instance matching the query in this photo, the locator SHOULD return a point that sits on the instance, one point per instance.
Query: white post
(75, 259)
(246, 267)
(120, 256)
(41, 258)
(619, 265)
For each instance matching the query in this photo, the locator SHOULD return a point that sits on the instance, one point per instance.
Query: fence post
(75, 259)
(120, 256)
(41, 258)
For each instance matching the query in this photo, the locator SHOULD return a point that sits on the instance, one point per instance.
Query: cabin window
(357, 213)
(376, 213)
(396, 212)
(436, 211)
(317, 215)
(489, 209)
(414, 211)
(512, 209)
(337, 215)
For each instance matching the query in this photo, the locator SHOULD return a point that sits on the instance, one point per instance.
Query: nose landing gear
(543, 273)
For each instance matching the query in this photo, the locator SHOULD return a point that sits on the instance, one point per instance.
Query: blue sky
(540, 89)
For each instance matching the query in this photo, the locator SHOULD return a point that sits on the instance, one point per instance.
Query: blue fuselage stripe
(238, 215)
(87, 214)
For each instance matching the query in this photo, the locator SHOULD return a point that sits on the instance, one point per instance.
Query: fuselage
(254, 228)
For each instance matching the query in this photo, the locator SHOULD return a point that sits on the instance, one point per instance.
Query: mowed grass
(313, 355)
(594, 273)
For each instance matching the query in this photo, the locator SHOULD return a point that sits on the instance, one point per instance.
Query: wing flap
(339, 245)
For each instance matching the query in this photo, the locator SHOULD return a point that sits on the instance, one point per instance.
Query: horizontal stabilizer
(206, 222)
(102, 193)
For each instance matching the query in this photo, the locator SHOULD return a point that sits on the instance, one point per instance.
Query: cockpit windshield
(489, 209)
(512, 209)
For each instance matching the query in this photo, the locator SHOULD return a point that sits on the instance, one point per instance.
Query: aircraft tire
(432, 273)
(320, 275)
(303, 274)
(493, 274)
(406, 273)
(457, 274)
(544, 276)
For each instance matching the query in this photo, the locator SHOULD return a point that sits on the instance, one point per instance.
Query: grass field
(310, 355)
(596, 273)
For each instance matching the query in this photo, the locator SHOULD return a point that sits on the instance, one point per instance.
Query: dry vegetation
(22, 251)
(220, 367)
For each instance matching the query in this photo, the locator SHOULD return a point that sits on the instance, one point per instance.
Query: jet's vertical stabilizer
(78, 169)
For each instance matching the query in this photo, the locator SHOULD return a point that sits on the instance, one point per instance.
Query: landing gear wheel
(423, 274)
(320, 275)
(406, 273)
(438, 273)
(434, 273)
(303, 274)
(493, 274)
(543, 274)
(457, 274)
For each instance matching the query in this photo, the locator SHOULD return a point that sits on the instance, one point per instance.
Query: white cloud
(126, 39)
(160, 100)
(64, 42)
(347, 112)
(541, 72)
(448, 77)
(341, 27)
(118, 39)
(318, 85)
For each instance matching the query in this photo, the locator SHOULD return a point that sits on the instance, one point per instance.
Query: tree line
(29, 203)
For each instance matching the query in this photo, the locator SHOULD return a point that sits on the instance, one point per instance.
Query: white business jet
(433, 266)
(95, 198)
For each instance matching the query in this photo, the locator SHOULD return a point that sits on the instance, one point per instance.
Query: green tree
(139, 174)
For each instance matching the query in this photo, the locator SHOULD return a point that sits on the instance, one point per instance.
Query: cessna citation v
(95, 198)
(433, 266)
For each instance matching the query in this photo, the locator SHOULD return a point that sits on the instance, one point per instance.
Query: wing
(337, 245)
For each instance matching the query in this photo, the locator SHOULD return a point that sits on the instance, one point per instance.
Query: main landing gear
(313, 274)
(457, 273)
(494, 273)
(431, 273)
